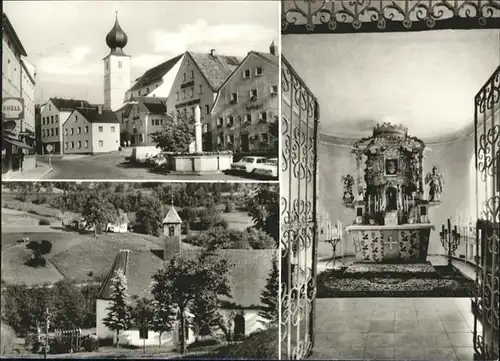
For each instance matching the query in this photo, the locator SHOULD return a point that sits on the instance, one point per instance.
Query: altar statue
(435, 181)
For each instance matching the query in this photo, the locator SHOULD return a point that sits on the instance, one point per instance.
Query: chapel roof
(172, 216)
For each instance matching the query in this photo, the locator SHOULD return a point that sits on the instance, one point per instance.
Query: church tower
(116, 68)
(172, 233)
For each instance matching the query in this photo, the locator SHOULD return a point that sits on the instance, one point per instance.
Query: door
(485, 305)
(244, 143)
(299, 231)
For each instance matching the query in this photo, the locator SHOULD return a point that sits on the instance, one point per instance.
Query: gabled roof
(155, 74)
(138, 266)
(7, 25)
(93, 116)
(248, 273)
(215, 68)
(126, 109)
(155, 105)
(172, 216)
(68, 104)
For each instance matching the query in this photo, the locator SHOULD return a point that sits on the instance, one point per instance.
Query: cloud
(231, 39)
(75, 61)
(148, 60)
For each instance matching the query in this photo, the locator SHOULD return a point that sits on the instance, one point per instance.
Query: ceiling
(425, 80)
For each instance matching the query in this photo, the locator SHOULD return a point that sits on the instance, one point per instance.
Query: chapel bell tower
(116, 68)
(171, 233)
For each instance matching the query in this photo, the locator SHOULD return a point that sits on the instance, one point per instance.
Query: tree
(98, 212)
(150, 215)
(263, 207)
(119, 312)
(184, 280)
(176, 135)
(206, 313)
(226, 325)
(68, 305)
(163, 314)
(269, 297)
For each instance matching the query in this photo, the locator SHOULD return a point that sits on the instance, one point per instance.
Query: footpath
(37, 173)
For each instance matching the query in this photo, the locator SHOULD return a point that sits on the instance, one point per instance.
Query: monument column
(197, 130)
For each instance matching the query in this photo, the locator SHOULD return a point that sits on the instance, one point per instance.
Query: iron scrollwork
(298, 215)
(487, 146)
(333, 16)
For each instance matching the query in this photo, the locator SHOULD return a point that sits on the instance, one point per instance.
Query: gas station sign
(12, 114)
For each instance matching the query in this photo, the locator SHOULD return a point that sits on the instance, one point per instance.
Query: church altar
(389, 198)
(406, 243)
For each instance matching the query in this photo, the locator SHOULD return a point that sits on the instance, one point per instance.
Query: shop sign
(12, 109)
(254, 107)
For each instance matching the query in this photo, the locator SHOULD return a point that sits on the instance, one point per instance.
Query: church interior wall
(452, 158)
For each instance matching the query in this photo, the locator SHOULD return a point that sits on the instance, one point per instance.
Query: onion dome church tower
(116, 68)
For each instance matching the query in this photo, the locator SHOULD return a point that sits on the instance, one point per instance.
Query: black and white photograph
(390, 138)
(160, 90)
(133, 270)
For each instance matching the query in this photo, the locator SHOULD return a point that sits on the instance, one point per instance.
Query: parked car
(247, 164)
(269, 169)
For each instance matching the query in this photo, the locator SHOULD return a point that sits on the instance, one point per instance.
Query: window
(177, 95)
(147, 90)
(184, 77)
(258, 71)
(72, 145)
(178, 113)
(230, 139)
(100, 129)
(86, 144)
(72, 131)
(112, 129)
(230, 120)
(79, 144)
(184, 94)
(79, 130)
(57, 131)
(246, 74)
(66, 145)
(86, 129)
(43, 121)
(65, 131)
(263, 116)
(76, 118)
(191, 91)
(192, 111)
(50, 106)
(57, 118)
(201, 89)
(51, 131)
(207, 108)
(253, 94)
(192, 74)
(101, 143)
(171, 230)
(51, 119)
(107, 65)
(263, 137)
(139, 92)
(220, 121)
(234, 98)
(274, 89)
(119, 64)
(248, 118)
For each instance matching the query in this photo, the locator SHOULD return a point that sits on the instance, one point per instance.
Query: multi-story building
(246, 105)
(54, 114)
(14, 148)
(28, 82)
(197, 82)
(116, 68)
(91, 130)
(140, 118)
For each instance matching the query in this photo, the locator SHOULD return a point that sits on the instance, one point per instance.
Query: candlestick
(449, 224)
(442, 229)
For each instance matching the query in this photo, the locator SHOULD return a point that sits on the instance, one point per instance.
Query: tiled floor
(394, 329)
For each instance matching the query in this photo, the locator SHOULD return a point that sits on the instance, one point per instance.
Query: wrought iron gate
(485, 305)
(299, 231)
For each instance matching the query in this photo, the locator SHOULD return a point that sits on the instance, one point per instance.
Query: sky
(65, 40)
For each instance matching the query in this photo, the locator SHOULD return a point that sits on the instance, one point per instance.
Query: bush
(204, 342)
(90, 343)
(36, 262)
(45, 247)
(259, 345)
(44, 222)
(7, 340)
(229, 207)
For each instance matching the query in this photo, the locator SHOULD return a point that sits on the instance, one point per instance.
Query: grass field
(237, 220)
